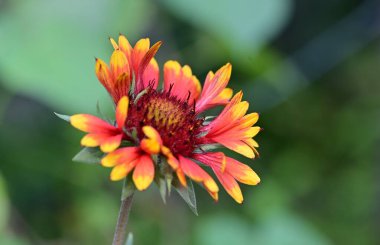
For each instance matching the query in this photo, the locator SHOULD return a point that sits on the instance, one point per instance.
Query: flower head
(164, 131)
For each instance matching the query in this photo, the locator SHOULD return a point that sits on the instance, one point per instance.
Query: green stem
(122, 221)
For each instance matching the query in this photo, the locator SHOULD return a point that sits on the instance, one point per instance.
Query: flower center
(175, 120)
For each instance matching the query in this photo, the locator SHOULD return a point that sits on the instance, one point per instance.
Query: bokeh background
(311, 68)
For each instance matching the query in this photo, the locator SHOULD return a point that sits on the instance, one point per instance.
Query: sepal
(164, 177)
(128, 188)
(207, 147)
(161, 183)
(63, 117)
(187, 194)
(90, 155)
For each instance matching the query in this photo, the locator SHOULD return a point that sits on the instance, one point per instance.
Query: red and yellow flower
(165, 126)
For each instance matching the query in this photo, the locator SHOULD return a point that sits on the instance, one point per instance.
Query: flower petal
(214, 195)
(139, 51)
(252, 132)
(180, 81)
(143, 64)
(235, 132)
(122, 111)
(119, 63)
(249, 120)
(251, 142)
(243, 173)
(215, 160)
(91, 124)
(223, 97)
(229, 118)
(230, 185)
(214, 86)
(238, 146)
(196, 173)
(121, 156)
(121, 86)
(152, 144)
(181, 177)
(151, 74)
(114, 44)
(93, 140)
(104, 74)
(151, 133)
(234, 101)
(121, 171)
(172, 71)
(125, 46)
(232, 128)
(111, 143)
(144, 173)
(172, 161)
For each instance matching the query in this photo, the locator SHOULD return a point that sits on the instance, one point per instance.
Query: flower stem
(120, 231)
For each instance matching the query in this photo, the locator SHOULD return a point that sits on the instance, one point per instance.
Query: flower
(164, 129)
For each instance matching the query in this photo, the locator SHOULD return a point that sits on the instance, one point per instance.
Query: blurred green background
(311, 68)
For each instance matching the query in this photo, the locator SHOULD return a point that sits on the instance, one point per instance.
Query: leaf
(91, 155)
(129, 239)
(63, 117)
(188, 195)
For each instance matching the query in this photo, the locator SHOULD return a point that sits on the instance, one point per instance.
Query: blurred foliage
(319, 155)
(54, 43)
(232, 22)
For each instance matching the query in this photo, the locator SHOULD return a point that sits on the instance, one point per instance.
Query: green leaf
(129, 239)
(128, 188)
(91, 155)
(188, 195)
(63, 117)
